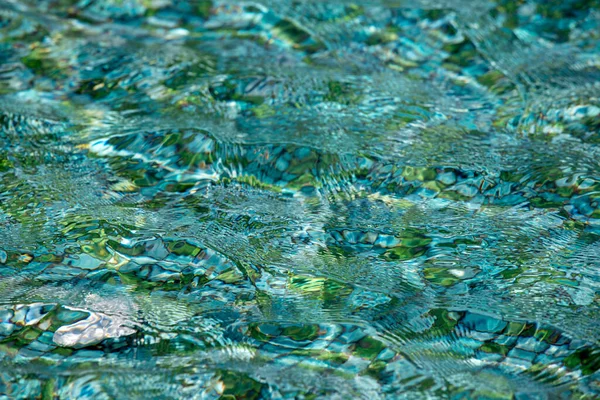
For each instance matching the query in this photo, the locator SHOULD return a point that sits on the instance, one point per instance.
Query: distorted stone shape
(90, 331)
(67, 326)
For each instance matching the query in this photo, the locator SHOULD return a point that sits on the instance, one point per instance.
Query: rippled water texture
(299, 199)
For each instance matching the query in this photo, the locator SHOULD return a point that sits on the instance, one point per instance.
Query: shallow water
(275, 199)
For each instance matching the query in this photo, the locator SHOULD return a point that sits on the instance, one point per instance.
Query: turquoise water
(299, 199)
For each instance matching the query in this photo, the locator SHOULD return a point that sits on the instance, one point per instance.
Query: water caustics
(299, 199)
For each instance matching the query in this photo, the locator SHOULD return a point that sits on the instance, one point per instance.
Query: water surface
(299, 199)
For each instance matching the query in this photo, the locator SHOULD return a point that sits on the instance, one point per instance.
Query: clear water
(299, 199)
